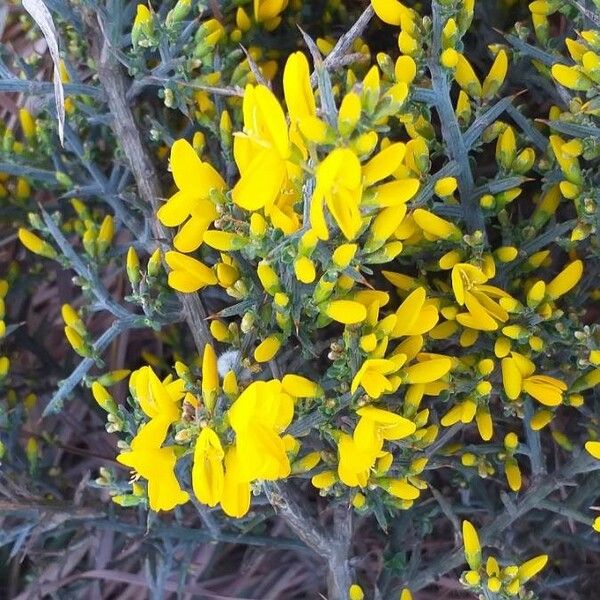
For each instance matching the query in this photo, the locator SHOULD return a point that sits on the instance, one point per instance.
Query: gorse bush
(353, 253)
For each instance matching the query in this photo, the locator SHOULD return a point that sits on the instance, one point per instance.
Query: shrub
(329, 265)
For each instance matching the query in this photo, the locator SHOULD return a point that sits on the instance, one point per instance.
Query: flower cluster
(506, 581)
(385, 266)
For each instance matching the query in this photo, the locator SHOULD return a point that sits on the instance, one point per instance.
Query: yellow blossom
(235, 497)
(195, 180)
(472, 546)
(372, 377)
(35, 244)
(566, 280)
(207, 472)
(188, 274)
(267, 349)
(156, 464)
(532, 567)
(338, 186)
(496, 75)
(348, 312)
(261, 151)
(593, 448)
(390, 11)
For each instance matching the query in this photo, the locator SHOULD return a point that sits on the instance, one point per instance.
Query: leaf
(573, 129)
(41, 15)
(535, 53)
(500, 185)
(323, 81)
(528, 129)
(485, 120)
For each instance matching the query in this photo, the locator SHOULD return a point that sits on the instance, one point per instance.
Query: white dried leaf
(41, 15)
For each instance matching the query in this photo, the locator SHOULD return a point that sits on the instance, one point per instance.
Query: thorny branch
(333, 548)
(335, 58)
(532, 499)
(112, 79)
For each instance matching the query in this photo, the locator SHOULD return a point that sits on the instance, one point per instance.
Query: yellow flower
(465, 76)
(355, 592)
(156, 399)
(224, 241)
(506, 148)
(210, 376)
(449, 58)
(343, 255)
(235, 497)
(143, 15)
(390, 11)
(75, 340)
(348, 312)
(496, 76)
(485, 425)
(414, 316)
(267, 349)
(133, 266)
(400, 488)
(27, 123)
(267, 11)
(472, 546)
(355, 461)
(71, 318)
(299, 96)
(566, 280)
(384, 163)
(307, 462)
(571, 77)
(383, 227)
(304, 269)
(188, 274)
(103, 398)
(207, 472)
(593, 448)
(372, 377)
(445, 186)
(324, 480)
(376, 424)
(428, 370)
(258, 416)
(261, 151)
(568, 163)
(436, 226)
(518, 375)
(156, 464)
(195, 180)
(35, 244)
(532, 567)
(540, 419)
(300, 387)
(349, 114)
(4, 366)
(470, 289)
(338, 185)
(513, 473)
(405, 69)
(268, 277)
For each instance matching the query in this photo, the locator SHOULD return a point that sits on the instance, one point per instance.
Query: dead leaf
(41, 15)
